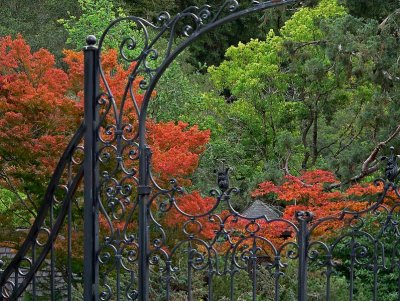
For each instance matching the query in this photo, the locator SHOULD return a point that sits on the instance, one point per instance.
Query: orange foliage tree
(41, 106)
(306, 192)
(36, 114)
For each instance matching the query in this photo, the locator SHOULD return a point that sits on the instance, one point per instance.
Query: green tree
(95, 16)
(37, 22)
(374, 9)
(210, 49)
(312, 96)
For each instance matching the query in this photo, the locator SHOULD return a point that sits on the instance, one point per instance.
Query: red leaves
(308, 188)
(13, 53)
(265, 188)
(176, 149)
(35, 113)
(317, 177)
(307, 193)
(41, 105)
(193, 204)
(364, 190)
(74, 60)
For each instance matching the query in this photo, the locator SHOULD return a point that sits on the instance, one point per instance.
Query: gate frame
(91, 172)
(33, 252)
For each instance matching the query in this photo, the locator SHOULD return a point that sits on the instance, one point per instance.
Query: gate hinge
(144, 190)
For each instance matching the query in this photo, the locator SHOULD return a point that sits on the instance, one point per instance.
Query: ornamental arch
(128, 252)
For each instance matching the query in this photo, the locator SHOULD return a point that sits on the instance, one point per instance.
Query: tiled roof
(259, 209)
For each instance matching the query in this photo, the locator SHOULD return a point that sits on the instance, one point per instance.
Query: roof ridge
(258, 209)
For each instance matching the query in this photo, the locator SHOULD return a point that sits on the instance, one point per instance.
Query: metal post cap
(91, 40)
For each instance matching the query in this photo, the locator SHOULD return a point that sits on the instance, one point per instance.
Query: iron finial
(91, 40)
(392, 169)
(306, 216)
(223, 176)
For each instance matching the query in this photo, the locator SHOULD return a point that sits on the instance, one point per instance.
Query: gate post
(91, 84)
(144, 231)
(303, 217)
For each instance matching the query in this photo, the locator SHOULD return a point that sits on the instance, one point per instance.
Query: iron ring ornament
(128, 251)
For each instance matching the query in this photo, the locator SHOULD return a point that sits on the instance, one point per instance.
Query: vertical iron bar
(232, 286)
(375, 271)
(118, 258)
(277, 275)
(168, 279)
(328, 277)
(398, 280)
(91, 84)
(1, 273)
(34, 276)
(69, 238)
(69, 254)
(254, 269)
(302, 240)
(143, 193)
(352, 263)
(210, 283)
(189, 272)
(52, 256)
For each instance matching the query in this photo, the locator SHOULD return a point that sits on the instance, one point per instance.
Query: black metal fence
(217, 253)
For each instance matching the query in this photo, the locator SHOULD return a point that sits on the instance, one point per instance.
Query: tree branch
(373, 155)
(370, 165)
(11, 188)
(304, 44)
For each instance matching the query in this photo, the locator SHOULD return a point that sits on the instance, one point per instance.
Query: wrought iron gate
(128, 253)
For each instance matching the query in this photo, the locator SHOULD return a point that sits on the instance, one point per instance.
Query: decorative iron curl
(204, 18)
(8, 288)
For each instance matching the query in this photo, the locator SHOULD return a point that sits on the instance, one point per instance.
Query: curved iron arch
(204, 20)
(303, 249)
(200, 15)
(110, 189)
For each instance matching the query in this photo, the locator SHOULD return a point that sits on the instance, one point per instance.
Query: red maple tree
(41, 106)
(309, 192)
(306, 192)
(36, 114)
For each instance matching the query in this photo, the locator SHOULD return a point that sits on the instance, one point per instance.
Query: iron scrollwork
(36, 254)
(123, 189)
(136, 251)
(130, 194)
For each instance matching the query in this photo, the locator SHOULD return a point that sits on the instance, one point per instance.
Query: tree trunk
(315, 136)
(306, 125)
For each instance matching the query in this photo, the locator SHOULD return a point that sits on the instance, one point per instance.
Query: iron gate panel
(129, 254)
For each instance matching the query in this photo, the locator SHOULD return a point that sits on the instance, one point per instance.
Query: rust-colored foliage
(176, 149)
(41, 106)
(307, 192)
(193, 204)
(307, 189)
(36, 115)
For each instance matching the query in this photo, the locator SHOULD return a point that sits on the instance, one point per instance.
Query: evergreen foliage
(37, 22)
(301, 103)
